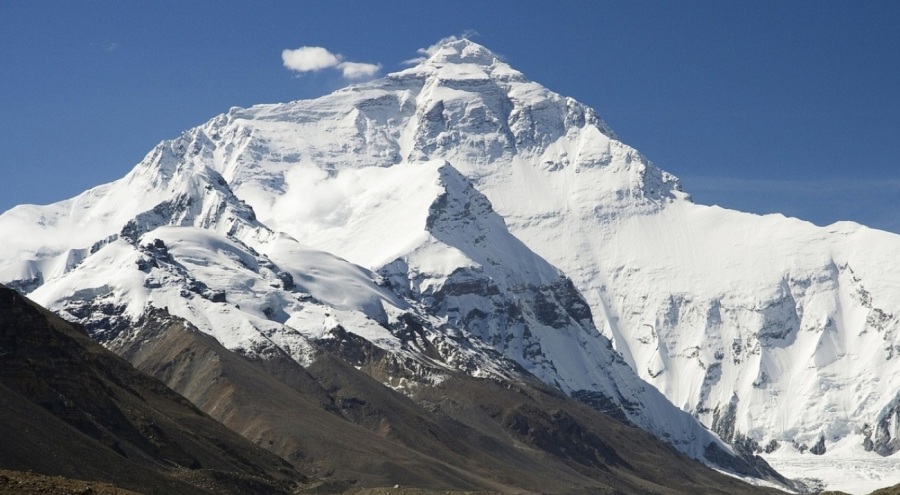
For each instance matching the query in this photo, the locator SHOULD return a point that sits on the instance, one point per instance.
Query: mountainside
(455, 217)
(434, 310)
(72, 408)
(335, 420)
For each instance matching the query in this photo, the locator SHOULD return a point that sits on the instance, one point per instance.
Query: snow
(846, 468)
(332, 211)
(107, 275)
(258, 305)
(332, 280)
(820, 372)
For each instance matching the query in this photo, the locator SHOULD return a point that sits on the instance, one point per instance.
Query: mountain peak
(463, 51)
(461, 60)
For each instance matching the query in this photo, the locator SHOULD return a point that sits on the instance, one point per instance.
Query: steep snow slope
(490, 283)
(783, 331)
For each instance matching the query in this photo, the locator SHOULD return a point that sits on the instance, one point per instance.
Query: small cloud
(426, 53)
(358, 70)
(309, 59)
(316, 58)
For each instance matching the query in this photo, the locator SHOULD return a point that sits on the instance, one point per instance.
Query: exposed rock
(819, 447)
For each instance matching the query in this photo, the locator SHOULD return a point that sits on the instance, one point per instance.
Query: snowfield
(847, 467)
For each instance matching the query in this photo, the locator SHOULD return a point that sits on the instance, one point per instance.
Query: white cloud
(427, 52)
(316, 58)
(358, 70)
(309, 59)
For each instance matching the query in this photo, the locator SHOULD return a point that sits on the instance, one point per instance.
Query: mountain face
(72, 408)
(456, 217)
(336, 420)
(466, 295)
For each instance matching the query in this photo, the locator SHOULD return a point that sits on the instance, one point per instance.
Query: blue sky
(761, 106)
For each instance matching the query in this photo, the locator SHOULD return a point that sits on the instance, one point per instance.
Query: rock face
(73, 408)
(456, 217)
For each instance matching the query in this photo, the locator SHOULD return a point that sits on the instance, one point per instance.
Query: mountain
(72, 408)
(203, 256)
(292, 309)
(334, 420)
(456, 217)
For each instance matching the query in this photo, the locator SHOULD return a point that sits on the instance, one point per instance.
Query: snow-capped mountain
(473, 291)
(515, 230)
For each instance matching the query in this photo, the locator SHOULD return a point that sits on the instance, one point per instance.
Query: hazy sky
(761, 106)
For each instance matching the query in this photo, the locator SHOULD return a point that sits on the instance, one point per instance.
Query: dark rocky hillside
(69, 407)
